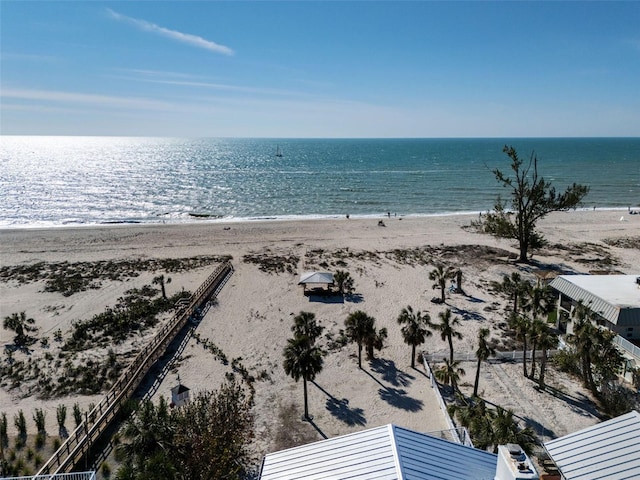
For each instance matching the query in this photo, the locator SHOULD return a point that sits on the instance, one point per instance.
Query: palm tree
(148, 432)
(583, 339)
(522, 326)
(359, 327)
(536, 329)
(21, 325)
(303, 360)
(538, 300)
(514, 287)
(483, 353)
(506, 430)
(375, 340)
(447, 329)
(344, 281)
(304, 324)
(547, 340)
(440, 275)
(414, 331)
(450, 373)
(160, 280)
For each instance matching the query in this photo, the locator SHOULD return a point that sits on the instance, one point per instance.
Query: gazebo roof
(316, 277)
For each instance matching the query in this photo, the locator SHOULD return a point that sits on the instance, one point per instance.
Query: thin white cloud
(80, 98)
(230, 88)
(187, 38)
(187, 80)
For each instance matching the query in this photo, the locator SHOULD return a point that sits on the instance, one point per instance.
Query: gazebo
(321, 282)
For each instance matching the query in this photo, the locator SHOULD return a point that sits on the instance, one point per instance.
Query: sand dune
(253, 314)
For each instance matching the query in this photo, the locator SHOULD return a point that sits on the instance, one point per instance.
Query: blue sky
(320, 69)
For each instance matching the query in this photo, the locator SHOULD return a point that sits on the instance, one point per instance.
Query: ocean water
(54, 181)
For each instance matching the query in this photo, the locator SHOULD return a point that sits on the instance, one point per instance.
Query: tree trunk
(450, 348)
(543, 366)
(459, 281)
(475, 385)
(523, 252)
(306, 407)
(442, 297)
(413, 356)
(533, 360)
(524, 355)
(589, 374)
(523, 240)
(360, 356)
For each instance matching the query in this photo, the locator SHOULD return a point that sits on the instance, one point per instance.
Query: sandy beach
(253, 314)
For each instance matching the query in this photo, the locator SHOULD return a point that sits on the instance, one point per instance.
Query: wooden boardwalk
(87, 433)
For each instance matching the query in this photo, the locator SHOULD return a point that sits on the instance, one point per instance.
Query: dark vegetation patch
(49, 377)
(425, 255)
(270, 262)
(586, 253)
(135, 312)
(624, 242)
(73, 369)
(69, 278)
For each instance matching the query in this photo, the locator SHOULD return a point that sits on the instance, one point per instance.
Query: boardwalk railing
(83, 437)
(627, 346)
(60, 476)
(515, 356)
(453, 430)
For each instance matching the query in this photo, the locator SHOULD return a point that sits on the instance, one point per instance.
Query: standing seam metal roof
(614, 297)
(609, 450)
(382, 453)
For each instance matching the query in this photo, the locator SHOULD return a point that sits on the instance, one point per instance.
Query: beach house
(614, 301)
(609, 450)
(390, 452)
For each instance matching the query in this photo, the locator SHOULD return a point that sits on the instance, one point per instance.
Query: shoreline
(204, 219)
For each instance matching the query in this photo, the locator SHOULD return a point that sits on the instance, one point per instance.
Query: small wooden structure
(179, 395)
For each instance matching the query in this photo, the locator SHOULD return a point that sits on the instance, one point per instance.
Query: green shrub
(21, 424)
(39, 419)
(106, 470)
(77, 414)
(61, 415)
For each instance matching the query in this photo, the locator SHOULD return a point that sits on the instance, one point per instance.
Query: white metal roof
(316, 277)
(609, 450)
(382, 453)
(614, 297)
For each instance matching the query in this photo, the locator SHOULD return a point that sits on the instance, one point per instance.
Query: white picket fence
(513, 356)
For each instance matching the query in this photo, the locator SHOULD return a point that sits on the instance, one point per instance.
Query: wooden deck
(87, 433)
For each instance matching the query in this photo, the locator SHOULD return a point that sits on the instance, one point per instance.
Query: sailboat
(278, 151)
